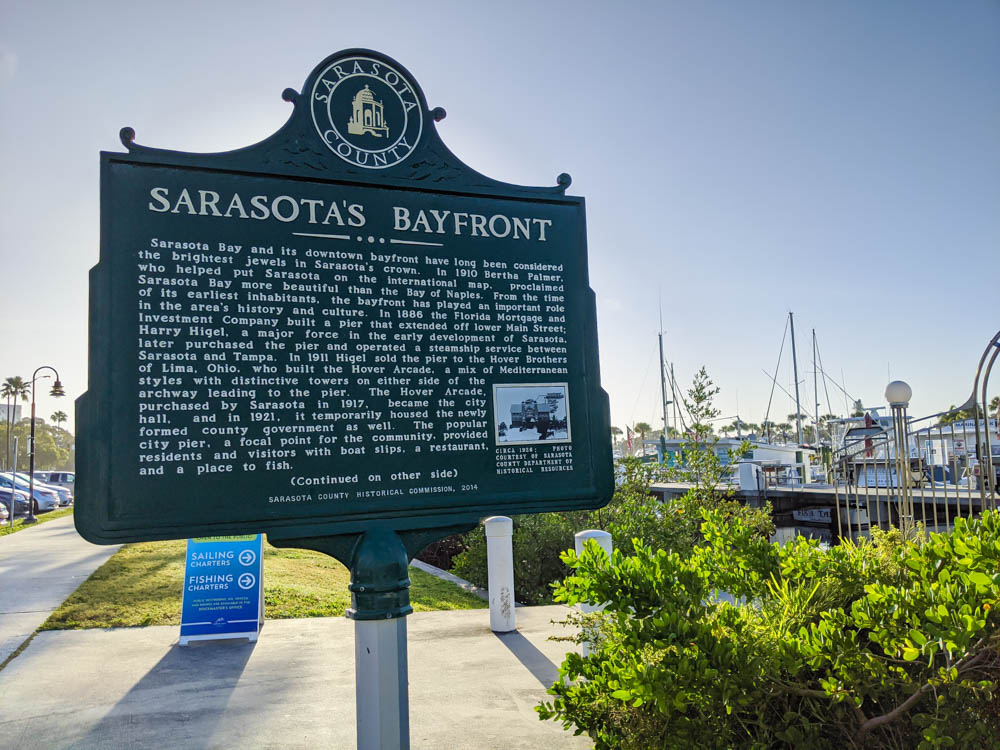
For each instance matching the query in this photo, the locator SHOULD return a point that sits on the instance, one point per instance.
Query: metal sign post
(380, 601)
(13, 489)
(383, 709)
(342, 337)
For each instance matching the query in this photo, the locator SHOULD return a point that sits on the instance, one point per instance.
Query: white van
(62, 478)
(58, 478)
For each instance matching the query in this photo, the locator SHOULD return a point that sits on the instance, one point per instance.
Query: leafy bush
(441, 553)
(633, 515)
(888, 643)
(675, 524)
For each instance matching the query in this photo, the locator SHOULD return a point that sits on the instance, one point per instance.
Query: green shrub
(441, 553)
(882, 644)
(633, 515)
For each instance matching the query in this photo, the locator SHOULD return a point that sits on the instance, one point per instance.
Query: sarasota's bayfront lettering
(288, 209)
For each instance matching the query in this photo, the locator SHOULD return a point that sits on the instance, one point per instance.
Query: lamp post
(57, 390)
(898, 394)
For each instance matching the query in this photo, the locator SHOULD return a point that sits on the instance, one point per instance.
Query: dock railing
(920, 473)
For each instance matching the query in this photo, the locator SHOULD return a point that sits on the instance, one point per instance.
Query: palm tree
(804, 417)
(58, 417)
(615, 432)
(784, 428)
(642, 428)
(13, 388)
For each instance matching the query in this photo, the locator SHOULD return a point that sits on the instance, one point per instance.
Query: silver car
(44, 499)
(65, 496)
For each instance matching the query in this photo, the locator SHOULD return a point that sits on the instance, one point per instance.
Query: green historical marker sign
(339, 329)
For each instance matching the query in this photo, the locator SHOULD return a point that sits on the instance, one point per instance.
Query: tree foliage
(877, 644)
(975, 413)
(54, 446)
(642, 428)
(11, 390)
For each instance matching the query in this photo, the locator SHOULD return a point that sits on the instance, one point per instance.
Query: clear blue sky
(838, 159)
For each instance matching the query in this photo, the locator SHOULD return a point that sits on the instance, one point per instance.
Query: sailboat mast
(815, 389)
(663, 382)
(663, 391)
(673, 394)
(795, 372)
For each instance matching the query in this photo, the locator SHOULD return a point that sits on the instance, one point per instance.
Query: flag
(628, 438)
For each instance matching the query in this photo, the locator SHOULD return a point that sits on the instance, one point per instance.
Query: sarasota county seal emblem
(367, 112)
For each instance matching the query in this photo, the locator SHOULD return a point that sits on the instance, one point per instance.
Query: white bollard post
(500, 564)
(603, 538)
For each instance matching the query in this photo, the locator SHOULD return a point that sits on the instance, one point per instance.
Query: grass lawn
(141, 585)
(52, 515)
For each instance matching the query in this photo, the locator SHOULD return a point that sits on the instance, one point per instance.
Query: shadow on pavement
(189, 687)
(530, 657)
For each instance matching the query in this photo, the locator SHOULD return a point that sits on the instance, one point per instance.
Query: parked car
(4, 514)
(57, 478)
(21, 503)
(44, 499)
(65, 496)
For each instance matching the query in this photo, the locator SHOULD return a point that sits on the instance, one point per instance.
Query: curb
(444, 575)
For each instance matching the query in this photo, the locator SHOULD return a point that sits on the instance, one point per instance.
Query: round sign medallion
(367, 112)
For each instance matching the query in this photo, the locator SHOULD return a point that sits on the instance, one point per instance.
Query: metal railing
(921, 473)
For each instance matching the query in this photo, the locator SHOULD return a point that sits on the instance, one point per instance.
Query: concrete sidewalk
(39, 568)
(294, 688)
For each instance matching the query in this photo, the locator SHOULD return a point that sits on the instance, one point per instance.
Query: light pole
(57, 390)
(898, 394)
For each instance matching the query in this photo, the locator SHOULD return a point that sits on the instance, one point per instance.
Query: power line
(639, 394)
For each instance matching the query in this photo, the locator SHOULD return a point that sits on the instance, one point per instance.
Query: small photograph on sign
(531, 413)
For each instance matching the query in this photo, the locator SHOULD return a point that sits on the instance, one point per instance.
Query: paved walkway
(39, 568)
(135, 688)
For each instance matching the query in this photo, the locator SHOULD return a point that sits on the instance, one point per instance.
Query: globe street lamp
(57, 390)
(898, 394)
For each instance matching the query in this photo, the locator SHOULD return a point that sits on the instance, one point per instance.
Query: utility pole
(795, 372)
